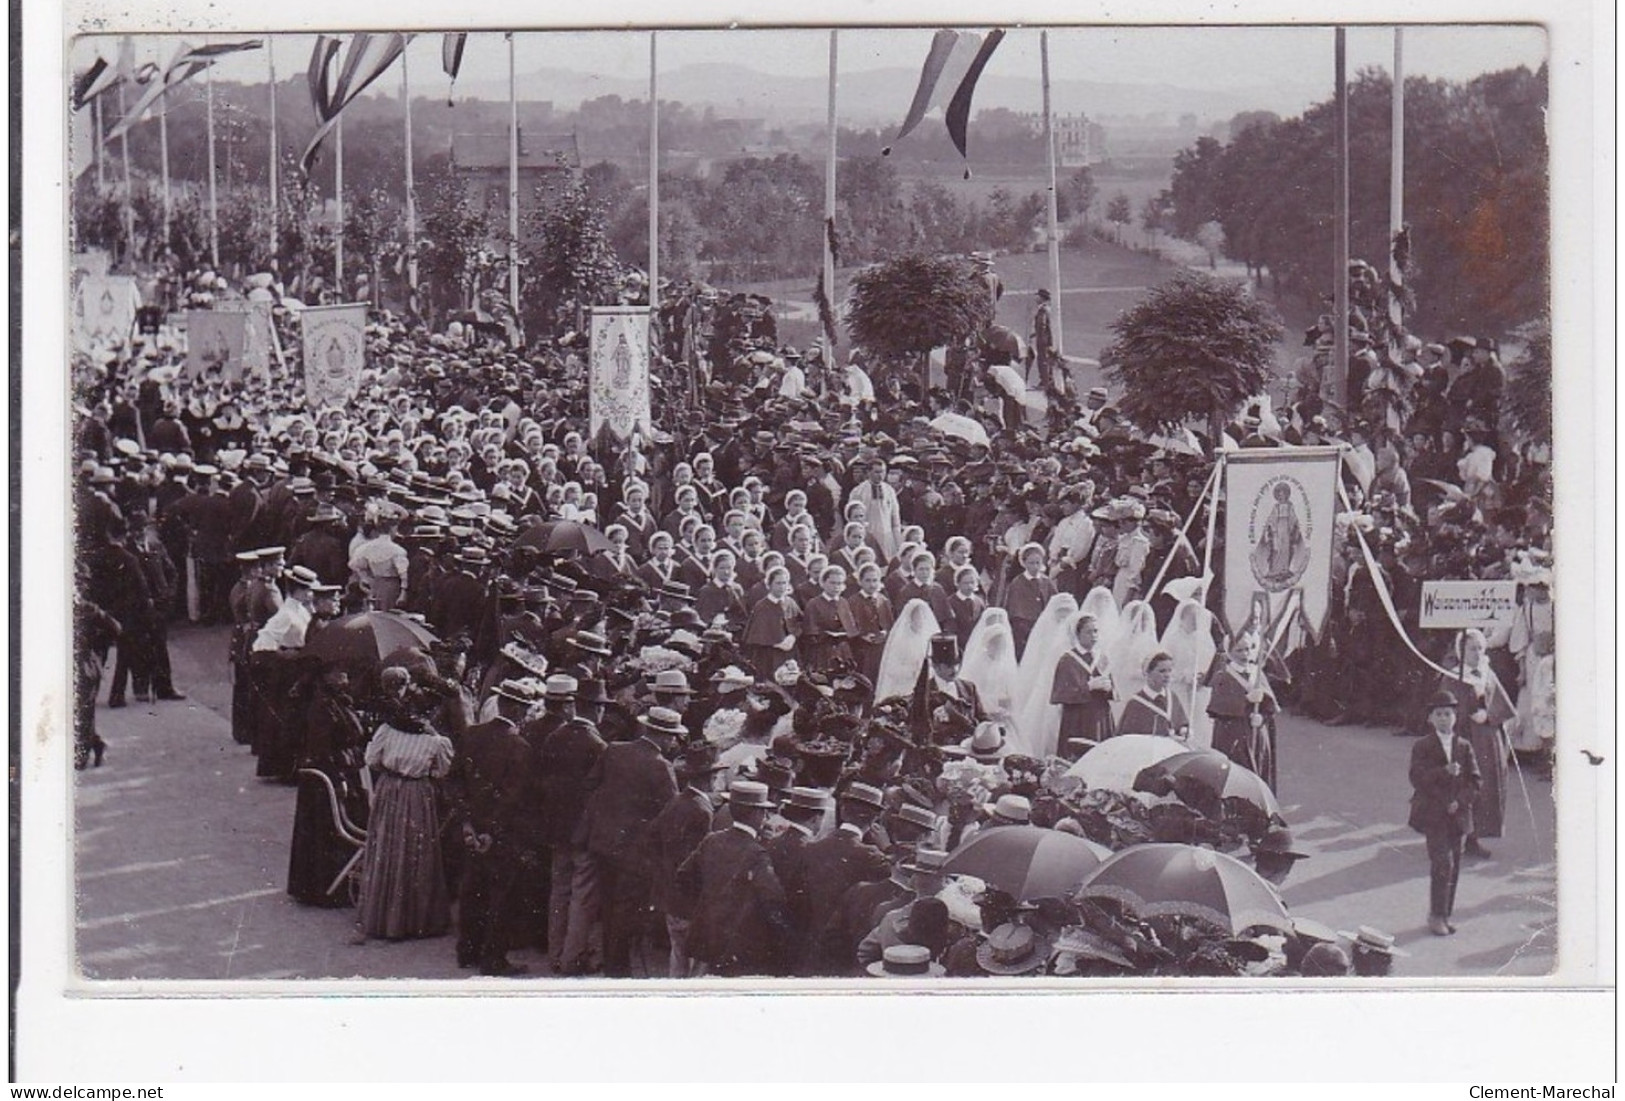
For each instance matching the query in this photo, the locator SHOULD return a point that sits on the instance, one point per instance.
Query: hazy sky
(1218, 58)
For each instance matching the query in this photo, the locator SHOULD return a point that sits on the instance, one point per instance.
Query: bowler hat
(1443, 699)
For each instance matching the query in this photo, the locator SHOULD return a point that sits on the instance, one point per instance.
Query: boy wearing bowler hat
(1445, 780)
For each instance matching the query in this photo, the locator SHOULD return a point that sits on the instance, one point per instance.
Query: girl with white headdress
(1100, 605)
(1136, 641)
(990, 664)
(907, 646)
(1189, 641)
(1038, 720)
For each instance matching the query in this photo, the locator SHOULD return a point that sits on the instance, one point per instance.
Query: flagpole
(270, 64)
(129, 210)
(214, 210)
(1396, 182)
(1053, 213)
(163, 157)
(654, 183)
(101, 161)
(338, 205)
(411, 186)
(513, 184)
(1340, 319)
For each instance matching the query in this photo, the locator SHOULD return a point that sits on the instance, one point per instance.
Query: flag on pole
(451, 58)
(948, 80)
(215, 342)
(99, 78)
(188, 63)
(958, 113)
(365, 60)
(335, 352)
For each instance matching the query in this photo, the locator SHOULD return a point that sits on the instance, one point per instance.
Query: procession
(638, 636)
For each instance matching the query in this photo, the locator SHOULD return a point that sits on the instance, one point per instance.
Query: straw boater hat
(1012, 950)
(749, 793)
(1371, 939)
(663, 721)
(906, 961)
(1011, 808)
(562, 686)
(303, 576)
(524, 691)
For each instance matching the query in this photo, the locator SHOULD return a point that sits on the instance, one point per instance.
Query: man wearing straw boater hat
(672, 838)
(832, 866)
(629, 786)
(740, 923)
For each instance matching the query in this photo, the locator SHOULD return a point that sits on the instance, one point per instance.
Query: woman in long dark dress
(1485, 710)
(333, 740)
(403, 880)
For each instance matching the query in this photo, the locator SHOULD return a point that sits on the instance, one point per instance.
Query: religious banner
(335, 352)
(619, 380)
(104, 311)
(1279, 505)
(259, 337)
(1459, 604)
(214, 344)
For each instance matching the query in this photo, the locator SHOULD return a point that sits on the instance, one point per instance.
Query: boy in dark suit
(1445, 780)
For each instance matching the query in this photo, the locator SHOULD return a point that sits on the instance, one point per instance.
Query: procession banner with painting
(619, 379)
(214, 344)
(259, 336)
(1279, 507)
(104, 311)
(335, 352)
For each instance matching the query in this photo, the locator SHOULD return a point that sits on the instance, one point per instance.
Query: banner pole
(1173, 551)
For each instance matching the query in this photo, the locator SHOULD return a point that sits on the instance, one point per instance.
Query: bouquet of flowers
(723, 728)
(657, 659)
(967, 777)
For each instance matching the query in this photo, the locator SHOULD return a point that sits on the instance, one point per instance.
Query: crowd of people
(727, 698)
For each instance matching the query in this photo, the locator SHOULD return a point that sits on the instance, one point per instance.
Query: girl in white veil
(1102, 605)
(907, 646)
(1038, 722)
(1135, 642)
(1189, 641)
(990, 664)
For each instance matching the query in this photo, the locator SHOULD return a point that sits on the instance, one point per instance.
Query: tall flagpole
(129, 194)
(1396, 183)
(1340, 319)
(1054, 214)
(831, 136)
(513, 184)
(338, 206)
(214, 209)
(411, 188)
(101, 159)
(654, 184)
(270, 64)
(163, 157)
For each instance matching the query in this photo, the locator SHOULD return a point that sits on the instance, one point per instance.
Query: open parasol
(1115, 763)
(362, 641)
(1157, 879)
(563, 537)
(1027, 861)
(1209, 772)
(966, 428)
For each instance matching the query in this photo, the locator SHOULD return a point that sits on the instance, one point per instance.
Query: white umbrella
(1012, 382)
(966, 428)
(1114, 763)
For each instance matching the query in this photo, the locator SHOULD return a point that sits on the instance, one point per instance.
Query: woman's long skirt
(316, 855)
(1489, 809)
(403, 881)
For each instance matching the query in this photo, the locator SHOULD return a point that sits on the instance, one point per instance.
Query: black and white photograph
(1006, 505)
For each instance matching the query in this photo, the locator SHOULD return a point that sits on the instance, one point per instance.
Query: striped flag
(948, 80)
(365, 60)
(188, 62)
(451, 58)
(99, 78)
(1399, 258)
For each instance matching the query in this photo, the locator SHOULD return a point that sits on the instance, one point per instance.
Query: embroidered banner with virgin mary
(1279, 508)
(618, 383)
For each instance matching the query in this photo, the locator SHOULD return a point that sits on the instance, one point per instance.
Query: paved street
(182, 856)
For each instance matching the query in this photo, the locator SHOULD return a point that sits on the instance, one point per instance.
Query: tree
(1527, 399)
(567, 256)
(901, 309)
(451, 234)
(1210, 235)
(1119, 213)
(1076, 195)
(1196, 347)
(1155, 214)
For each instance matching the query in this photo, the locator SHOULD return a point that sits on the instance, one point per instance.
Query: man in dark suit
(1445, 780)
(564, 749)
(488, 783)
(832, 866)
(740, 924)
(673, 836)
(802, 811)
(947, 705)
(627, 789)
(459, 598)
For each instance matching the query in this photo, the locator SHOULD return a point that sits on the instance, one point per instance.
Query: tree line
(1476, 196)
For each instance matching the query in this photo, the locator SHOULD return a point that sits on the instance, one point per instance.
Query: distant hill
(880, 96)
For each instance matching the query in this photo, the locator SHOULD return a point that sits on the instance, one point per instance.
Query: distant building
(482, 160)
(1079, 142)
